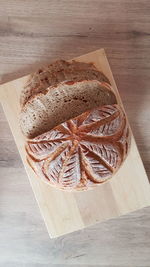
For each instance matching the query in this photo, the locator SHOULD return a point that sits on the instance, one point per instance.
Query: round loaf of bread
(57, 72)
(58, 104)
(82, 152)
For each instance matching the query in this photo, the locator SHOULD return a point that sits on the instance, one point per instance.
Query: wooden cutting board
(65, 212)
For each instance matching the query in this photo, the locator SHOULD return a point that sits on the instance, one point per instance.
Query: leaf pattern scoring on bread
(82, 152)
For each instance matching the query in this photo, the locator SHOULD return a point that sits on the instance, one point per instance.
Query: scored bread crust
(78, 136)
(58, 104)
(57, 72)
(82, 152)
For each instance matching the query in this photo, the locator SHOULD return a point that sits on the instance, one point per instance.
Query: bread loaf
(57, 72)
(78, 135)
(82, 152)
(58, 104)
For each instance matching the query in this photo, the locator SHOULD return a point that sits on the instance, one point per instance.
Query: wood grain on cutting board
(64, 212)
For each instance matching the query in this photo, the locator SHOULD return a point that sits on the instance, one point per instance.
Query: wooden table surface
(34, 32)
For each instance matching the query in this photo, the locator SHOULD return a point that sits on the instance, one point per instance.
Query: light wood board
(65, 212)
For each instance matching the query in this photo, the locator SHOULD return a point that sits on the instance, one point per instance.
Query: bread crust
(82, 152)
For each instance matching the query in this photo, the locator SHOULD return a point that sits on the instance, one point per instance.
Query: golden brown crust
(84, 151)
